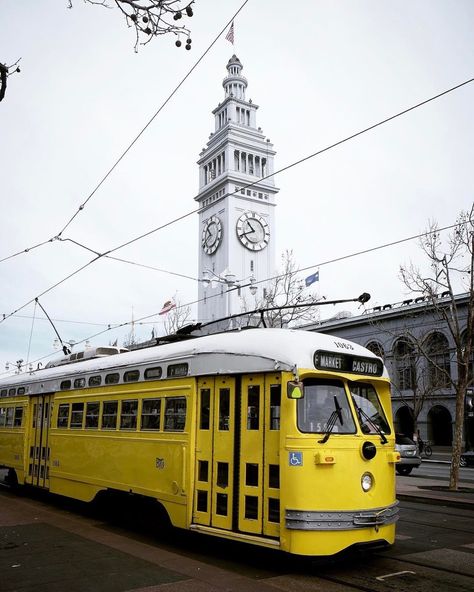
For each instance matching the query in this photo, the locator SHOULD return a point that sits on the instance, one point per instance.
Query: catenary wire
(300, 161)
(140, 320)
(320, 264)
(135, 140)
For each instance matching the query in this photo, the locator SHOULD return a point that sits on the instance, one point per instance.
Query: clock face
(211, 235)
(253, 231)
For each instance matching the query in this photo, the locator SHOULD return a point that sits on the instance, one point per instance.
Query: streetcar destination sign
(326, 360)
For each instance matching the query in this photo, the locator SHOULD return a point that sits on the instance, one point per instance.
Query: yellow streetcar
(277, 437)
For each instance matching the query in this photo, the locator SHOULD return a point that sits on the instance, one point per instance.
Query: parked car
(409, 457)
(467, 459)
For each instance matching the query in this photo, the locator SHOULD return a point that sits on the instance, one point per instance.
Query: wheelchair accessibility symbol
(295, 459)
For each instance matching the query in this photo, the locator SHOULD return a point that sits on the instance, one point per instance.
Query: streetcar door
(38, 444)
(214, 470)
(259, 470)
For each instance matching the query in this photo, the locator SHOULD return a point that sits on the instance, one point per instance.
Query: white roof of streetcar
(252, 350)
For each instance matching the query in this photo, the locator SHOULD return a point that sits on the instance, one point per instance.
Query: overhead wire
(320, 264)
(140, 320)
(135, 139)
(291, 165)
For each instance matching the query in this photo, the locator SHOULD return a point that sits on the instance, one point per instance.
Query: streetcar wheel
(404, 470)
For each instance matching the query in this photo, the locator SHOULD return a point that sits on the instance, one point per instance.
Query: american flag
(167, 306)
(230, 33)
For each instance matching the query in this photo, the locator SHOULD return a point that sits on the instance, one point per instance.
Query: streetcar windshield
(321, 399)
(371, 415)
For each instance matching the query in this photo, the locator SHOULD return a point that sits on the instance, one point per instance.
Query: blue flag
(312, 278)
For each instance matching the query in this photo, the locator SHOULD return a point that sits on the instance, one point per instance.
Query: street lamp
(228, 279)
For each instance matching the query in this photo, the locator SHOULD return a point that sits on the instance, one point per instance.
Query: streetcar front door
(259, 464)
(38, 442)
(237, 472)
(215, 449)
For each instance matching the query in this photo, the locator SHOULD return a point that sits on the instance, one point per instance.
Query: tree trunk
(461, 387)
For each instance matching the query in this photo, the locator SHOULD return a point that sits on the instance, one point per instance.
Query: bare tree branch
(151, 18)
(5, 72)
(451, 264)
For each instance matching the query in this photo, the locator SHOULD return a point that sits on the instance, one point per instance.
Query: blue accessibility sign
(295, 459)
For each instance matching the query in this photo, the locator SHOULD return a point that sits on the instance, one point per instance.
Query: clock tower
(237, 203)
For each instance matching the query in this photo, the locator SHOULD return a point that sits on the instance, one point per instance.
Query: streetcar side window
(175, 414)
(3, 416)
(369, 409)
(324, 404)
(92, 414)
(79, 383)
(65, 384)
(77, 415)
(63, 415)
(95, 380)
(275, 404)
(151, 373)
(18, 417)
(10, 414)
(131, 375)
(253, 407)
(224, 409)
(204, 408)
(112, 378)
(109, 415)
(128, 415)
(151, 414)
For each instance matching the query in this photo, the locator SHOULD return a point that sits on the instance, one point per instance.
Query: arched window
(376, 348)
(439, 366)
(405, 364)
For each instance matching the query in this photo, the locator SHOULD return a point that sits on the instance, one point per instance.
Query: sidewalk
(434, 491)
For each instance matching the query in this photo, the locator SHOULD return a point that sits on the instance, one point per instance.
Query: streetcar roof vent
(88, 354)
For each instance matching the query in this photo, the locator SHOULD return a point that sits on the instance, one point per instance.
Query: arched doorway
(404, 421)
(440, 430)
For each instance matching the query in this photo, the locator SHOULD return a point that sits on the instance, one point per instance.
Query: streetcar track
(440, 526)
(409, 561)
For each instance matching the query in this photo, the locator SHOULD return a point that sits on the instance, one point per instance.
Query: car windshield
(321, 399)
(404, 440)
(371, 415)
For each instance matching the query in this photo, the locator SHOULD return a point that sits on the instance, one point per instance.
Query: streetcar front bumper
(341, 520)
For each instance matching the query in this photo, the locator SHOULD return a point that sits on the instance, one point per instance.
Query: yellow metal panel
(204, 439)
(223, 467)
(271, 460)
(251, 454)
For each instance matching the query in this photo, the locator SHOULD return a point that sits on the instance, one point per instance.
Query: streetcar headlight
(367, 481)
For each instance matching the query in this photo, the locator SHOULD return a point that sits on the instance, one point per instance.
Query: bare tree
(177, 317)
(451, 265)
(286, 290)
(151, 18)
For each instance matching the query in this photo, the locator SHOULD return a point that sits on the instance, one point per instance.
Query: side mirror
(294, 389)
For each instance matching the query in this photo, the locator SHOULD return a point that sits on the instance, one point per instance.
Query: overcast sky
(319, 70)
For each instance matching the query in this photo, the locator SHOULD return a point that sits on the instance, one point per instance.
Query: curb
(437, 501)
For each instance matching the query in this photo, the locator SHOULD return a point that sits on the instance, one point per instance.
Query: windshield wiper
(362, 414)
(331, 422)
